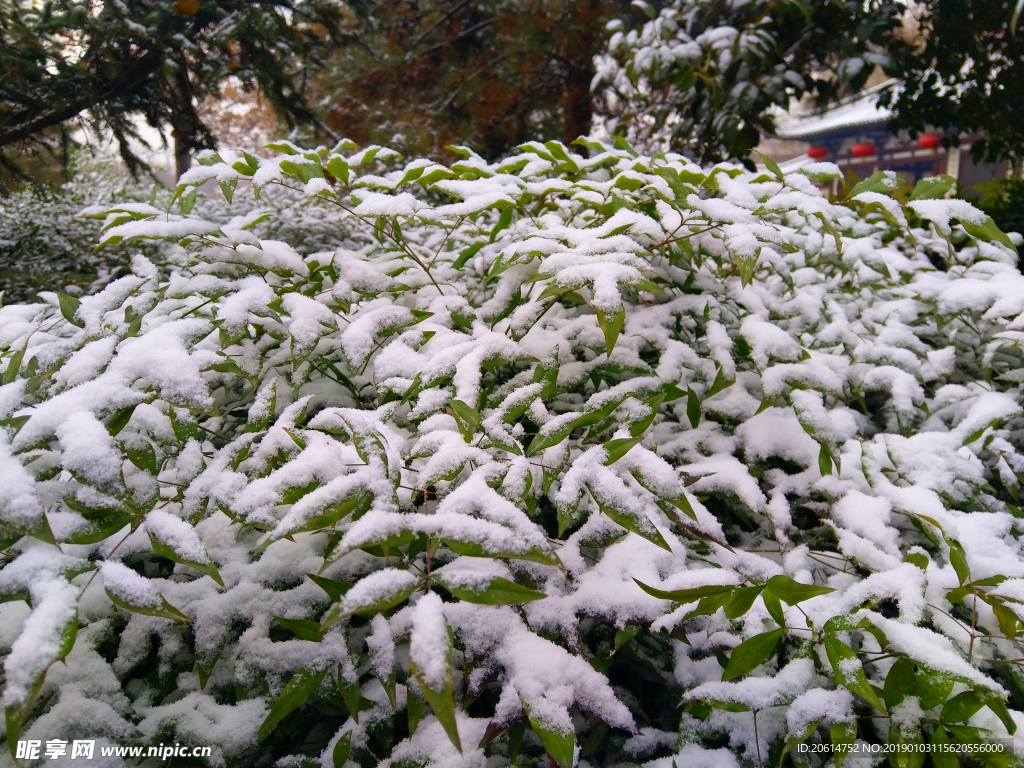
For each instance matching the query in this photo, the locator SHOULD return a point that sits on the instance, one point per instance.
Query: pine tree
(106, 65)
(490, 74)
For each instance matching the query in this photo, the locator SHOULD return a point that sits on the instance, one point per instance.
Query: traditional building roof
(862, 110)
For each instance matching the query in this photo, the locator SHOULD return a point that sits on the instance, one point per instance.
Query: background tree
(701, 77)
(108, 65)
(965, 76)
(489, 74)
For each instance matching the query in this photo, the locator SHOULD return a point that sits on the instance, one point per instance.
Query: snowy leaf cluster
(707, 77)
(583, 457)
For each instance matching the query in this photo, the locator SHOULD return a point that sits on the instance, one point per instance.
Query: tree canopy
(108, 65)
(707, 77)
(965, 76)
(490, 74)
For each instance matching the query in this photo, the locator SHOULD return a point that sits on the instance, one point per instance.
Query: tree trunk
(576, 105)
(182, 123)
(583, 41)
(182, 154)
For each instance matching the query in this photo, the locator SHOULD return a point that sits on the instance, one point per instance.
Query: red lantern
(817, 153)
(863, 150)
(929, 140)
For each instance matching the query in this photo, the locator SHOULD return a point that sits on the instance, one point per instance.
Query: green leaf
(675, 182)
(841, 655)
(247, 166)
(589, 144)
(988, 232)
(740, 600)
(625, 635)
(467, 418)
(183, 427)
(611, 324)
(13, 366)
(350, 693)
(414, 711)
(908, 746)
(771, 165)
(560, 745)
(165, 611)
(389, 598)
(623, 145)
(209, 568)
(718, 384)
(685, 595)
(618, 448)
(793, 592)
(1008, 621)
(355, 504)
(708, 605)
(958, 559)
(679, 502)
(340, 754)
(467, 254)
(143, 456)
(475, 549)
(120, 420)
(962, 707)
(693, 410)
(334, 588)
(442, 703)
(900, 682)
(932, 690)
(338, 168)
(103, 521)
(304, 629)
(205, 665)
(298, 690)
(998, 706)
(303, 169)
(187, 202)
(227, 188)
(791, 743)
(69, 307)
(879, 181)
(15, 716)
(752, 653)
(942, 746)
(843, 736)
(932, 187)
(824, 462)
(774, 607)
(636, 522)
(504, 221)
(917, 558)
(498, 592)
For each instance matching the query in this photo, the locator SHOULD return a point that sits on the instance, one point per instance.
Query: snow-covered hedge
(46, 245)
(604, 456)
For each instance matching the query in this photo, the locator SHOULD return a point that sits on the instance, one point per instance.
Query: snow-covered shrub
(46, 245)
(608, 457)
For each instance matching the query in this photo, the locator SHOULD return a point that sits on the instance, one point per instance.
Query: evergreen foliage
(966, 76)
(490, 74)
(707, 77)
(104, 65)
